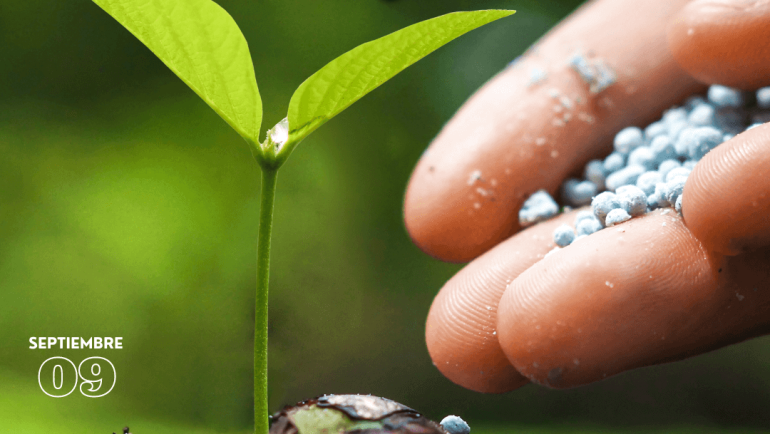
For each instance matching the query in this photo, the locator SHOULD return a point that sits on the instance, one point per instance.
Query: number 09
(91, 372)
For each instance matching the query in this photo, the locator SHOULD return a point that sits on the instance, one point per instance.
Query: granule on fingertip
(632, 199)
(660, 196)
(628, 139)
(682, 143)
(614, 162)
(474, 176)
(586, 223)
(668, 166)
(643, 156)
(647, 180)
(702, 115)
(538, 207)
(723, 96)
(677, 173)
(662, 149)
(594, 172)
(702, 140)
(563, 235)
(537, 75)
(675, 129)
(674, 188)
(625, 176)
(587, 227)
(649, 167)
(763, 98)
(597, 74)
(616, 216)
(580, 64)
(675, 115)
(578, 193)
(584, 214)
(655, 201)
(694, 101)
(603, 204)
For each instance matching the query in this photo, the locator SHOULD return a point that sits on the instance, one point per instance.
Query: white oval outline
(53, 380)
(40, 371)
(86, 381)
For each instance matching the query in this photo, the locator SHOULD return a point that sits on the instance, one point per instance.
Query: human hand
(657, 288)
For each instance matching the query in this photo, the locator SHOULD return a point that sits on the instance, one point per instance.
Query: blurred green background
(129, 208)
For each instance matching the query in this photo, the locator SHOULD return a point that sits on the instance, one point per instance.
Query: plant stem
(267, 202)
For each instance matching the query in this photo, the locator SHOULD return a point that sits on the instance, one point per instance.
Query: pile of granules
(648, 168)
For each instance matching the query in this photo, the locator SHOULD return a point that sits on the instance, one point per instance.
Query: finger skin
(724, 41)
(630, 296)
(511, 133)
(462, 323)
(726, 203)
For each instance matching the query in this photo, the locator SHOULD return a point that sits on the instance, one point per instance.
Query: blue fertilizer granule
(603, 204)
(648, 180)
(579, 193)
(649, 166)
(595, 173)
(723, 96)
(614, 162)
(597, 74)
(626, 176)
(763, 98)
(587, 227)
(662, 149)
(667, 166)
(644, 156)
(632, 200)
(564, 235)
(677, 173)
(455, 425)
(617, 215)
(539, 207)
(628, 139)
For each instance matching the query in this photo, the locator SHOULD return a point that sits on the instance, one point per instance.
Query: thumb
(723, 41)
(725, 200)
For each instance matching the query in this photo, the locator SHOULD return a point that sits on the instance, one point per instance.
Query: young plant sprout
(345, 414)
(204, 47)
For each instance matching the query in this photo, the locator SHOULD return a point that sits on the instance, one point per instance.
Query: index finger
(540, 120)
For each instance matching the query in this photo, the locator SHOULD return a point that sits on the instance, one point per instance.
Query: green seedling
(201, 43)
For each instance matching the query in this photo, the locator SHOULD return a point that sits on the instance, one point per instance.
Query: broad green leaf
(354, 74)
(204, 47)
